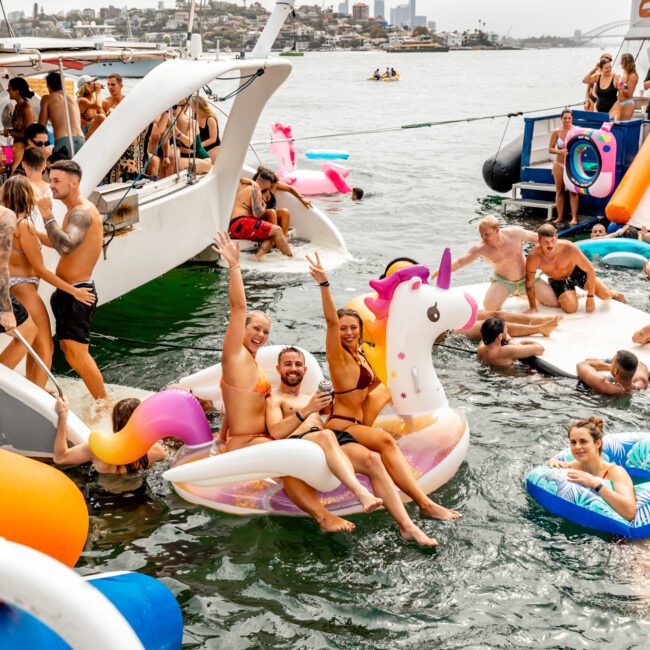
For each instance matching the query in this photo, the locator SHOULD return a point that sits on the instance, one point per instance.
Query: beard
(291, 380)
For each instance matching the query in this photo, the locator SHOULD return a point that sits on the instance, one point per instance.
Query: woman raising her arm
(354, 383)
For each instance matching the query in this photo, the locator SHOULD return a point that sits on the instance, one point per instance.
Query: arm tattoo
(66, 241)
(7, 226)
(257, 204)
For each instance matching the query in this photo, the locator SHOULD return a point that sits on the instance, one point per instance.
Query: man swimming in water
(502, 247)
(567, 267)
(627, 374)
(497, 347)
(291, 413)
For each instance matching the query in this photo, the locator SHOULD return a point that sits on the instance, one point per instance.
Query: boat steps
(549, 206)
(535, 187)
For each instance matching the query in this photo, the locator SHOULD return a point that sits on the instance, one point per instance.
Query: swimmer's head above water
(586, 438)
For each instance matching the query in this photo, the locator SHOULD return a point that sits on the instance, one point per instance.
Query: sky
(554, 17)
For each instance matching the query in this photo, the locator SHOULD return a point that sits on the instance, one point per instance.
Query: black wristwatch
(300, 416)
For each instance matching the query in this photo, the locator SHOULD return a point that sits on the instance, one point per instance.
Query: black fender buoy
(502, 170)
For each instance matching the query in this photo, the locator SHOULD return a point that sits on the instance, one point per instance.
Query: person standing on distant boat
(502, 247)
(624, 107)
(246, 388)
(567, 267)
(557, 146)
(52, 110)
(78, 240)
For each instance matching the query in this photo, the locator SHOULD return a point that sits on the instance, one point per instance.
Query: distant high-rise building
(35, 14)
(419, 21)
(380, 9)
(401, 15)
(344, 7)
(431, 25)
(360, 11)
(411, 13)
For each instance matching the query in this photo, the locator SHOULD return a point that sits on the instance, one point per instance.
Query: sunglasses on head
(175, 106)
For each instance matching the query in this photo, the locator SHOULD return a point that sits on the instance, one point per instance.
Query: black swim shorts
(19, 312)
(343, 437)
(73, 317)
(578, 278)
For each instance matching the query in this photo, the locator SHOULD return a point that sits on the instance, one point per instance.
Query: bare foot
(432, 509)
(616, 295)
(548, 327)
(640, 338)
(414, 534)
(573, 223)
(368, 500)
(330, 523)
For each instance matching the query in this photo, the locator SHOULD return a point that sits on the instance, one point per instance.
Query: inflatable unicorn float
(330, 180)
(404, 318)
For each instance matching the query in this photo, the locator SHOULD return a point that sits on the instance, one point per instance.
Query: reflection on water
(507, 574)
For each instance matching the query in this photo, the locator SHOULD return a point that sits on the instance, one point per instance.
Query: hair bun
(597, 422)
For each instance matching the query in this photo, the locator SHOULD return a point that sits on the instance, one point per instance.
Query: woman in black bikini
(589, 468)
(359, 395)
(208, 128)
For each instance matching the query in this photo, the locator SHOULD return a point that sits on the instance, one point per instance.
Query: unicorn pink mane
(385, 288)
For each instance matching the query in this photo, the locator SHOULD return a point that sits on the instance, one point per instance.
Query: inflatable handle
(171, 413)
(338, 181)
(56, 595)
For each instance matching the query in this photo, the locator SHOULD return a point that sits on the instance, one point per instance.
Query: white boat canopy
(639, 21)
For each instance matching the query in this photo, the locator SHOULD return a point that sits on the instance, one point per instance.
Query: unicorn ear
(444, 270)
(415, 284)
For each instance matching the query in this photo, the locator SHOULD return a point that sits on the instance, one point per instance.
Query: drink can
(325, 386)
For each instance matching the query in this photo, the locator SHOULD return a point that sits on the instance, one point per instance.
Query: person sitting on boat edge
(497, 347)
(359, 395)
(52, 110)
(589, 468)
(377, 74)
(245, 386)
(247, 222)
(502, 248)
(626, 374)
(78, 240)
(81, 453)
(208, 128)
(557, 146)
(567, 267)
(291, 413)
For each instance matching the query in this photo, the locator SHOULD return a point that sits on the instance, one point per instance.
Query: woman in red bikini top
(359, 396)
(243, 383)
(589, 468)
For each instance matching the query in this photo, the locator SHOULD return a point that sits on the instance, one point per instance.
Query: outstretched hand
(61, 407)
(316, 268)
(228, 249)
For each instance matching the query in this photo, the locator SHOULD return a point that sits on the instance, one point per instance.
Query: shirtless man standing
(79, 242)
(246, 221)
(627, 374)
(291, 414)
(52, 110)
(567, 268)
(245, 387)
(13, 316)
(115, 95)
(502, 247)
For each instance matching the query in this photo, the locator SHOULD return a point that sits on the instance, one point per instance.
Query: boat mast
(190, 24)
(273, 26)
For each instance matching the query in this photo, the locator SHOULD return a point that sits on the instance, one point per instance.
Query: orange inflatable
(632, 187)
(42, 508)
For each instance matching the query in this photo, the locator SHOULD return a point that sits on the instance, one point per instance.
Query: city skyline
(502, 16)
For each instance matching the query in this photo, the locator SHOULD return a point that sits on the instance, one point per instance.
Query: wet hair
(53, 81)
(35, 129)
(566, 111)
(357, 193)
(256, 312)
(289, 349)
(355, 314)
(603, 62)
(628, 64)
(491, 328)
(34, 159)
(68, 166)
(594, 425)
(546, 230)
(20, 84)
(116, 76)
(490, 221)
(265, 174)
(626, 364)
(122, 412)
(18, 195)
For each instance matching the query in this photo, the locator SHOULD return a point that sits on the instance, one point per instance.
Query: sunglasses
(40, 143)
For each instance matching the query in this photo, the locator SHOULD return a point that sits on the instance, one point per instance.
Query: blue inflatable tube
(601, 247)
(327, 154)
(147, 605)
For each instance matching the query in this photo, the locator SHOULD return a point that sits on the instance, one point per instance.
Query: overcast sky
(522, 17)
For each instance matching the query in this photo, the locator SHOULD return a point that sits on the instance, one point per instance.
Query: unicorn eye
(433, 314)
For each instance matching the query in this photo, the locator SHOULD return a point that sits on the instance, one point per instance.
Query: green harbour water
(507, 575)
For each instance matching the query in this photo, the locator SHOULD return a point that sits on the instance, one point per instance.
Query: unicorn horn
(444, 270)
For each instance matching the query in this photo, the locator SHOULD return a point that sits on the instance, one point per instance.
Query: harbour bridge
(604, 30)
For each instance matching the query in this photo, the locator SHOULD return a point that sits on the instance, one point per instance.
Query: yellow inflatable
(41, 508)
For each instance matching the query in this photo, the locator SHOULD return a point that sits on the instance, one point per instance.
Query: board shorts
(20, 313)
(578, 278)
(514, 287)
(343, 437)
(73, 317)
(249, 228)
